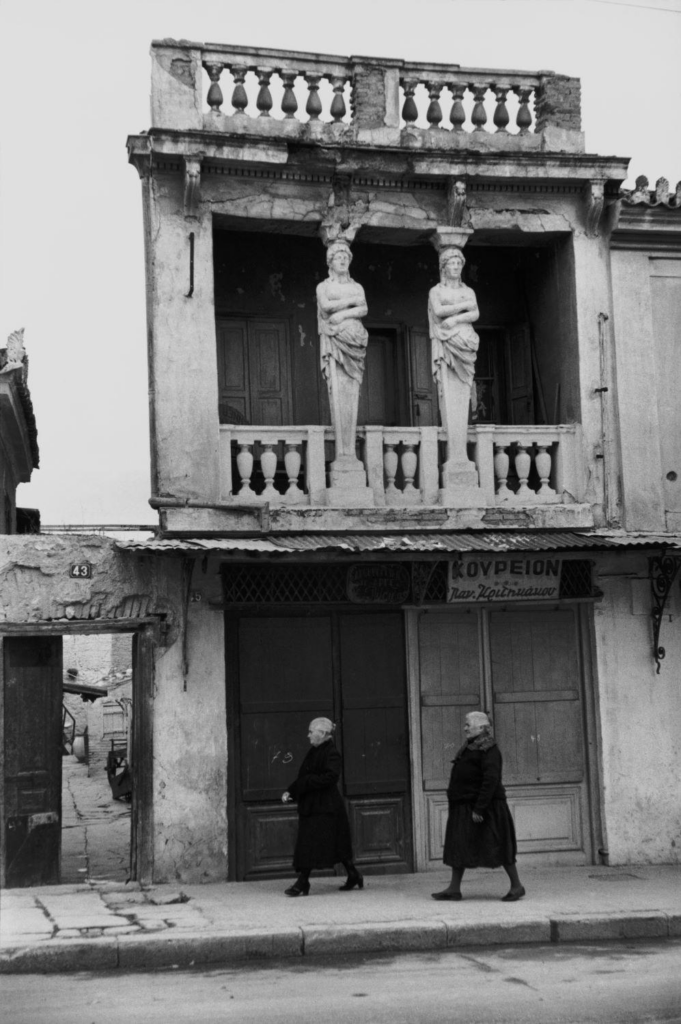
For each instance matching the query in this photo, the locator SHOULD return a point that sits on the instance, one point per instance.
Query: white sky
(74, 82)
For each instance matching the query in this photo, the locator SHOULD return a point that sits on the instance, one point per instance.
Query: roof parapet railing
(214, 86)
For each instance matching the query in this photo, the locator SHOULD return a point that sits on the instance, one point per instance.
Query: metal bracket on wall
(664, 569)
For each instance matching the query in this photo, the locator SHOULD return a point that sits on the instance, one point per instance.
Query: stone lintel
(225, 522)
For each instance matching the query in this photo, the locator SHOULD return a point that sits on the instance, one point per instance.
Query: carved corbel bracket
(594, 198)
(664, 569)
(192, 185)
(338, 231)
(457, 208)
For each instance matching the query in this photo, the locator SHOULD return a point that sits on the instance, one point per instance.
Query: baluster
(457, 114)
(215, 98)
(244, 463)
(313, 107)
(501, 117)
(264, 99)
(289, 103)
(239, 96)
(543, 463)
(268, 464)
(434, 112)
(524, 117)
(501, 465)
(338, 101)
(479, 115)
(390, 466)
(293, 461)
(409, 462)
(523, 464)
(410, 111)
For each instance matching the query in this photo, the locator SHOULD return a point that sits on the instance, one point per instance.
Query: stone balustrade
(252, 75)
(468, 99)
(289, 465)
(241, 90)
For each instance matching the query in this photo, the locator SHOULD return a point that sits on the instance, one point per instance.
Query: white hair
(479, 718)
(325, 725)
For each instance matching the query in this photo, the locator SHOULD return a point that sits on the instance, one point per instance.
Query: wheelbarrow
(118, 773)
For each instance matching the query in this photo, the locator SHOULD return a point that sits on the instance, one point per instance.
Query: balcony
(291, 95)
(275, 479)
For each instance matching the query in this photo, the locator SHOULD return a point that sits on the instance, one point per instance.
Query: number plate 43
(81, 571)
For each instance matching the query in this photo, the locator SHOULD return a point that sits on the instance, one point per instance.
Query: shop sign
(534, 577)
(378, 584)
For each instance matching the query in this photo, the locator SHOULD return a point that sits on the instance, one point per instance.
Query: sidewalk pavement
(106, 925)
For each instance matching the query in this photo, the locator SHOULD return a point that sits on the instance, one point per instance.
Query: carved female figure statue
(341, 304)
(452, 309)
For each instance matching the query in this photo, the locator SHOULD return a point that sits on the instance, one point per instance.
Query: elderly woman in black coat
(323, 826)
(480, 831)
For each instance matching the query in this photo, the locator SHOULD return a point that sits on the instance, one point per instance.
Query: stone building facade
(390, 518)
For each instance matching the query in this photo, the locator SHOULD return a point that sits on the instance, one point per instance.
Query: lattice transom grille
(285, 584)
(576, 578)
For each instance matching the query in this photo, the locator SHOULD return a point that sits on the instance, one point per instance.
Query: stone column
(341, 304)
(452, 309)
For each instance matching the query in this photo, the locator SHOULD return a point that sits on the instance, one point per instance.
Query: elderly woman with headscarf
(323, 827)
(480, 831)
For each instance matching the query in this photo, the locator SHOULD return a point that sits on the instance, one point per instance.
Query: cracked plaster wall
(190, 745)
(35, 585)
(638, 712)
(183, 361)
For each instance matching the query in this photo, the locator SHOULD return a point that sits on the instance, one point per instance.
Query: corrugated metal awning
(535, 540)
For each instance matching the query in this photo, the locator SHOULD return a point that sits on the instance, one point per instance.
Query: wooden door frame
(145, 630)
(594, 838)
(232, 614)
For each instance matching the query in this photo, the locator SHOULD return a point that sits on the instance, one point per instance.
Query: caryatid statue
(452, 310)
(341, 304)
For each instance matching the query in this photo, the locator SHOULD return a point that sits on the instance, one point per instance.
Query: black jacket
(316, 788)
(476, 778)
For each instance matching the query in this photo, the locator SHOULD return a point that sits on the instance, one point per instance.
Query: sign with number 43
(81, 571)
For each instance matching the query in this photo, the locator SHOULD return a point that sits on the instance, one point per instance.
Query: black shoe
(351, 881)
(511, 896)
(446, 895)
(298, 889)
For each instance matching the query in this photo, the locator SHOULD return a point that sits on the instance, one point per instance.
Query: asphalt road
(627, 983)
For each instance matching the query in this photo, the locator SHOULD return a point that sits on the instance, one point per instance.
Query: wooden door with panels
(287, 670)
(503, 389)
(522, 666)
(254, 371)
(32, 760)
(538, 716)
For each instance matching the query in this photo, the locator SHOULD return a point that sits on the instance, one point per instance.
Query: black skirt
(323, 840)
(490, 844)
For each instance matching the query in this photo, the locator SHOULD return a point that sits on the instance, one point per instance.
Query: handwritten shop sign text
(504, 578)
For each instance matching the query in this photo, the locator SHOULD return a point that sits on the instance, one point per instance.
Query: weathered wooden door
(287, 670)
(285, 679)
(379, 396)
(524, 667)
(537, 694)
(32, 769)
(375, 738)
(254, 371)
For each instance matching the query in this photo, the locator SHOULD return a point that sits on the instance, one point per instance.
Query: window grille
(285, 584)
(327, 584)
(576, 579)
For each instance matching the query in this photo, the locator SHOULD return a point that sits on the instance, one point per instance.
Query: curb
(186, 948)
